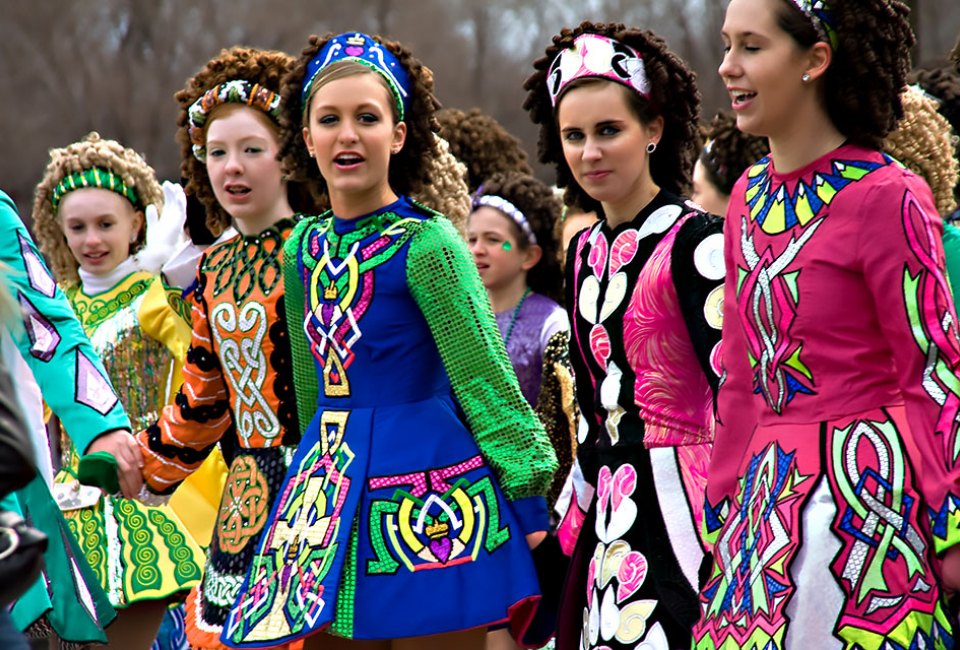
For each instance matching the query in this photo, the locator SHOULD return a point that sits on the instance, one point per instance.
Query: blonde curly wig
(92, 151)
(447, 193)
(923, 142)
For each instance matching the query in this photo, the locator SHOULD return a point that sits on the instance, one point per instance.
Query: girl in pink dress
(833, 484)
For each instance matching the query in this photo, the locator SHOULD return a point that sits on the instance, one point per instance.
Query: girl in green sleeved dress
(89, 213)
(419, 484)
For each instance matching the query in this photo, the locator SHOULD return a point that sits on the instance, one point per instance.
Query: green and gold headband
(93, 177)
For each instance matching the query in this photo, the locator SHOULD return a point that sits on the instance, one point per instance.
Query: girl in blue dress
(418, 487)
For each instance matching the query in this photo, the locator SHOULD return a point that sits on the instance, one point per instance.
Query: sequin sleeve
(902, 261)
(189, 429)
(59, 354)
(444, 282)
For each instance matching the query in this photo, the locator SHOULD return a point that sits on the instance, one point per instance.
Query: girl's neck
(346, 205)
(254, 225)
(508, 297)
(625, 210)
(804, 141)
(96, 283)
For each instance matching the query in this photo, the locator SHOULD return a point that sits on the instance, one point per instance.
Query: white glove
(164, 233)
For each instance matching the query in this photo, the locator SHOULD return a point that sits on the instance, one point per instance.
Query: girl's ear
(532, 255)
(399, 137)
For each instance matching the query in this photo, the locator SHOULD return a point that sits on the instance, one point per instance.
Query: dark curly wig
(265, 67)
(482, 144)
(944, 85)
(863, 83)
(542, 208)
(409, 169)
(729, 151)
(673, 95)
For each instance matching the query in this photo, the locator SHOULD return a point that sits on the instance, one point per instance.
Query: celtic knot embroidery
(243, 511)
(878, 514)
(340, 284)
(240, 341)
(246, 263)
(767, 300)
(751, 581)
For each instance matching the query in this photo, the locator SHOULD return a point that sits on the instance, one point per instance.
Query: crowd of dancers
(362, 380)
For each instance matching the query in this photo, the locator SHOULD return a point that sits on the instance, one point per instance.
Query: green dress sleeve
(52, 341)
(951, 249)
(444, 282)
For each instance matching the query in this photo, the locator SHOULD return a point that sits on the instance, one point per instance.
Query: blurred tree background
(72, 66)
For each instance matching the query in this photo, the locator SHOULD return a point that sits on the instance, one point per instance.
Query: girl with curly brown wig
(90, 211)
(237, 390)
(727, 153)
(840, 404)
(419, 483)
(482, 144)
(618, 118)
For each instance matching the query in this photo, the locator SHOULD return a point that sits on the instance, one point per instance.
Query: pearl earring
(805, 77)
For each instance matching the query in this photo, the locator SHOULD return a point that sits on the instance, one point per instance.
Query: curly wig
(482, 144)
(543, 209)
(409, 168)
(92, 151)
(265, 67)
(863, 82)
(943, 84)
(447, 193)
(673, 96)
(922, 142)
(729, 151)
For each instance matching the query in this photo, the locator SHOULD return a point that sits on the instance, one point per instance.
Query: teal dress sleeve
(52, 341)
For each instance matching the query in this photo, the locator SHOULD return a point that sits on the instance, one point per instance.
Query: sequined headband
(236, 91)
(593, 55)
(362, 49)
(509, 209)
(93, 177)
(822, 18)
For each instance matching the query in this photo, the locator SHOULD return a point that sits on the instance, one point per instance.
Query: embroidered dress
(67, 599)
(836, 450)
(537, 337)
(138, 553)
(237, 392)
(645, 303)
(421, 468)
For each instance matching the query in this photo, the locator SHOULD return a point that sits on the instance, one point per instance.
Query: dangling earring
(805, 77)
(651, 147)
